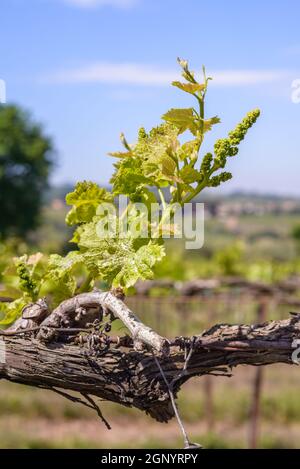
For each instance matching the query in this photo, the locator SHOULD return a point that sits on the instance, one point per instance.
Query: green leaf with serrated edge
(103, 255)
(207, 124)
(120, 154)
(115, 259)
(85, 199)
(151, 163)
(61, 288)
(61, 275)
(189, 174)
(183, 119)
(168, 166)
(189, 87)
(128, 177)
(10, 312)
(189, 150)
(139, 265)
(59, 265)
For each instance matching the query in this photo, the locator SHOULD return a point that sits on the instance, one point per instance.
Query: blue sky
(89, 69)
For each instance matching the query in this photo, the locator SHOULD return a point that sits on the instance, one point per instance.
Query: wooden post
(255, 408)
(208, 403)
(208, 385)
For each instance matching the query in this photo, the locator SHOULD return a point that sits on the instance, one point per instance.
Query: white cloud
(248, 77)
(136, 74)
(100, 3)
(126, 73)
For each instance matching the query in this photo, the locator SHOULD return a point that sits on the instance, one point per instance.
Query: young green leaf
(189, 174)
(9, 312)
(208, 124)
(139, 265)
(183, 119)
(85, 199)
(189, 87)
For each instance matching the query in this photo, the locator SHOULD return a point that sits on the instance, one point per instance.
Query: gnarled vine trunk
(129, 375)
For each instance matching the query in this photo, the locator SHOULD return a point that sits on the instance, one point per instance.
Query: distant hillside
(235, 203)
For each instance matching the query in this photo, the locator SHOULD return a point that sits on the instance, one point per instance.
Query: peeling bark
(67, 313)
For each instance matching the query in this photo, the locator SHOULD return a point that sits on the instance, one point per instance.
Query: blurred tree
(26, 158)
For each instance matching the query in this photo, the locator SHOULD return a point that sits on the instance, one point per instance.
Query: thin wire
(187, 443)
